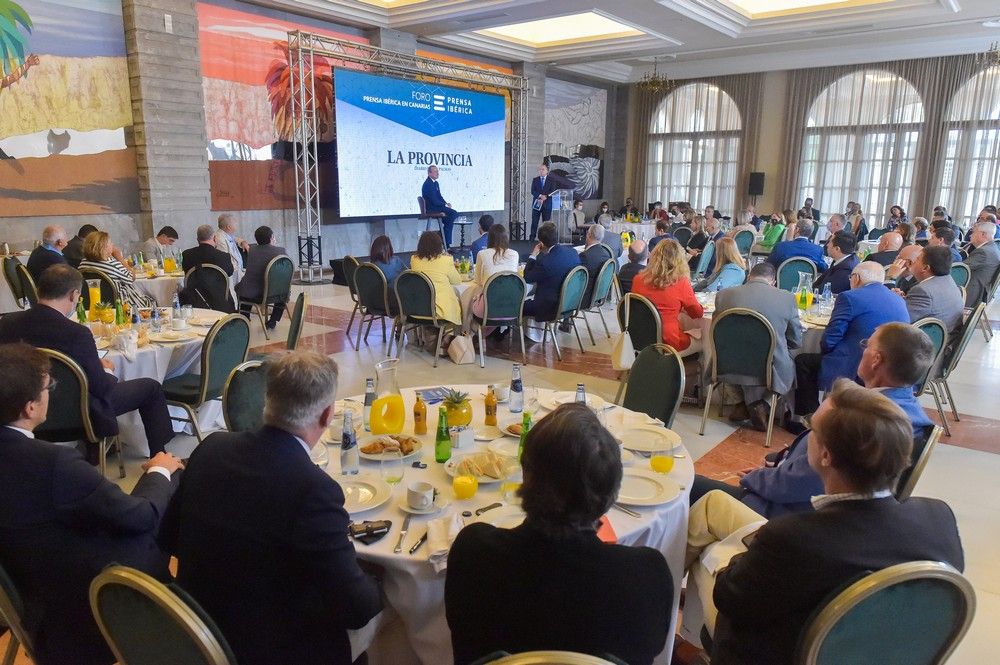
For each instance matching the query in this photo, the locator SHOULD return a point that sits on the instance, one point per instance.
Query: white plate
(569, 396)
(503, 425)
(437, 506)
(628, 457)
(812, 319)
(641, 487)
(504, 517)
(452, 464)
(363, 492)
(505, 447)
(377, 457)
(202, 322)
(172, 336)
(647, 438)
(487, 432)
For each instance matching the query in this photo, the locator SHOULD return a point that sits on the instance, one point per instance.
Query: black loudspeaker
(756, 187)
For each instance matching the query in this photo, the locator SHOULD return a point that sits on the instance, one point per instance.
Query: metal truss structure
(303, 49)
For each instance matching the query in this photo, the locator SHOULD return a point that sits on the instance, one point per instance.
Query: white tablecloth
(161, 289)
(416, 592)
(812, 335)
(642, 231)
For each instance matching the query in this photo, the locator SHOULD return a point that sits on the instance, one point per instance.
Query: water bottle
(827, 294)
(154, 321)
(349, 447)
(516, 401)
(369, 398)
(177, 308)
(581, 394)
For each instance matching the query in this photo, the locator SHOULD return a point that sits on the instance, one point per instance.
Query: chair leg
(770, 420)
(121, 457)
(371, 320)
(937, 400)
(576, 330)
(11, 653)
(102, 457)
(951, 400)
(482, 348)
(382, 319)
(437, 347)
(350, 322)
(708, 405)
(987, 327)
(263, 324)
(555, 342)
(722, 404)
(357, 340)
(583, 315)
(600, 313)
(622, 382)
(192, 418)
(524, 351)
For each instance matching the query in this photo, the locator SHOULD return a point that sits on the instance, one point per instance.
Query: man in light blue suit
(801, 245)
(857, 313)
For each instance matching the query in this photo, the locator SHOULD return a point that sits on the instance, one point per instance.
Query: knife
(402, 534)
(486, 508)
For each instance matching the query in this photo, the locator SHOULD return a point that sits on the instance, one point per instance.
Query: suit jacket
(628, 273)
(431, 191)
(838, 275)
(61, 523)
(767, 594)
(203, 253)
(799, 247)
(614, 241)
(44, 327)
(856, 315)
(938, 297)
(73, 251)
(779, 308)
(251, 287)
(593, 258)
(983, 263)
(884, 259)
(547, 272)
(610, 599)
(41, 258)
(537, 189)
(260, 533)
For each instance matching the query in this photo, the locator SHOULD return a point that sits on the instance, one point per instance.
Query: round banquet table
(415, 592)
(812, 334)
(162, 288)
(642, 230)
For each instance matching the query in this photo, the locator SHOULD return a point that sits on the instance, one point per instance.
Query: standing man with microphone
(431, 191)
(541, 191)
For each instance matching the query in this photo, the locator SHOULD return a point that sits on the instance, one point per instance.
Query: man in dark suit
(900, 270)
(546, 268)
(205, 252)
(434, 202)
(943, 235)
(841, 249)
(255, 504)
(74, 248)
(935, 295)
(251, 287)
(199, 292)
(593, 257)
(983, 262)
(49, 253)
(812, 212)
(45, 325)
(542, 187)
(638, 254)
(61, 521)
(889, 245)
(801, 245)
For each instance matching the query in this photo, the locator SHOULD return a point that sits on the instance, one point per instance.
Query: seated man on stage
(434, 202)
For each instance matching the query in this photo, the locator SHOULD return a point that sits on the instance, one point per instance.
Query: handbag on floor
(622, 352)
(461, 350)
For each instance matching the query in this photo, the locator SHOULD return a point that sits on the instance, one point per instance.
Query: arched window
(860, 144)
(970, 174)
(694, 145)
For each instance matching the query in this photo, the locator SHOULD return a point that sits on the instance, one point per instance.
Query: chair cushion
(184, 388)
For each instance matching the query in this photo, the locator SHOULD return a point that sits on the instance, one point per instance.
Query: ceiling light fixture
(992, 23)
(990, 57)
(653, 83)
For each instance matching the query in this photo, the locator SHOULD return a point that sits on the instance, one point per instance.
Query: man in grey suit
(251, 287)
(778, 307)
(936, 294)
(612, 240)
(983, 261)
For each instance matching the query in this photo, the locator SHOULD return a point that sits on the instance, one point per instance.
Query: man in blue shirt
(50, 252)
(801, 245)
(479, 244)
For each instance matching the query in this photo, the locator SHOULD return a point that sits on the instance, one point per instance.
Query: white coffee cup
(502, 393)
(420, 495)
(178, 324)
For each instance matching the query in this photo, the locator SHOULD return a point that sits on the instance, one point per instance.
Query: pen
(417, 544)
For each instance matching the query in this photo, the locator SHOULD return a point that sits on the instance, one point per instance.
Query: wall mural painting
(575, 134)
(65, 109)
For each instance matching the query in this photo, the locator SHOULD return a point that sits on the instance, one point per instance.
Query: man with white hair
(856, 314)
(49, 253)
(594, 256)
(227, 241)
(983, 262)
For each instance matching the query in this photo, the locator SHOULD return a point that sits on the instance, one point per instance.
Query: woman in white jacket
(497, 257)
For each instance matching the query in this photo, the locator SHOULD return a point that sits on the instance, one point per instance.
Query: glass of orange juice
(169, 265)
(465, 486)
(661, 463)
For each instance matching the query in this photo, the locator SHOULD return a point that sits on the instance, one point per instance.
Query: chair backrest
(683, 235)
(12, 612)
(550, 658)
(917, 611)
(602, 285)
(225, 347)
(423, 206)
(960, 273)
(68, 417)
(10, 264)
(373, 290)
(954, 353)
(109, 290)
(243, 397)
(211, 283)
(415, 294)
(938, 334)
(644, 325)
(145, 621)
(705, 258)
(278, 280)
(571, 293)
(350, 269)
(504, 298)
(744, 241)
(875, 234)
(656, 383)
(788, 272)
(923, 444)
(742, 343)
(297, 320)
(28, 290)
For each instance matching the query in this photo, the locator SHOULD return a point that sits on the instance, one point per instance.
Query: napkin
(128, 343)
(441, 534)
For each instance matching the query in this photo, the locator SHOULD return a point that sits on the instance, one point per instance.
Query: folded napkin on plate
(441, 534)
(128, 343)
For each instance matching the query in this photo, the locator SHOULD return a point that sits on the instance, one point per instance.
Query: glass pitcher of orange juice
(94, 296)
(388, 411)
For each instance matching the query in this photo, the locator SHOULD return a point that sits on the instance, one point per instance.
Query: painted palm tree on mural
(15, 26)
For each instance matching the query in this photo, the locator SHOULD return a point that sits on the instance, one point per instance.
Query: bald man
(900, 271)
(49, 253)
(888, 248)
(638, 253)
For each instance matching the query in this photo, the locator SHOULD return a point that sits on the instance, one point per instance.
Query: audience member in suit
(834, 226)
(841, 248)
(856, 315)
(612, 240)
(542, 187)
(945, 237)
(479, 244)
(382, 255)
(202, 291)
(859, 445)
(889, 245)
(205, 252)
(260, 532)
(162, 245)
(901, 270)
(61, 521)
(935, 295)
(697, 243)
(983, 262)
(610, 599)
(546, 268)
(251, 287)
(811, 212)
(896, 358)
(666, 282)
(434, 202)
(801, 245)
(45, 325)
(50, 252)
(662, 230)
(593, 257)
(227, 241)
(638, 254)
(73, 252)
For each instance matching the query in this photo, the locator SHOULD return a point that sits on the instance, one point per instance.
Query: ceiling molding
(608, 71)
(350, 12)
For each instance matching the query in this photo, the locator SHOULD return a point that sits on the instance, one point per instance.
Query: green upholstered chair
(960, 273)
(935, 330)
(656, 383)
(146, 622)
(641, 319)
(277, 289)
(225, 347)
(682, 235)
(875, 234)
(744, 241)
(788, 272)
(10, 264)
(570, 298)
(208, 286)
(912, 613)
(599, 297)
(920, 454)
(296, 321)
(68, 418)
(705, 259)
(28, 289)
(243, 397)
(109, 290)
(741, 343)
(350, 268)
(12, 615)
(416, 297)
(375, 300)
(938, 383)
(503, 305)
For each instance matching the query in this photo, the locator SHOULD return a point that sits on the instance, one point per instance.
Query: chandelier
(990, 57)
(653, 83)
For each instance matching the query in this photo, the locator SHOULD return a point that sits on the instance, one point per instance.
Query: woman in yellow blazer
(439, 266)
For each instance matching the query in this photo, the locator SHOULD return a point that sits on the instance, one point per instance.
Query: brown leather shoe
(759, 412)
(740, 413)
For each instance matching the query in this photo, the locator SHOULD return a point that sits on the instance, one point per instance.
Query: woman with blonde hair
(666, 282)
(698, 240)
(497, 257)
(98, 254)
(730, 269)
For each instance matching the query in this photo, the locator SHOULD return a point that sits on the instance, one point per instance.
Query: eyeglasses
(52, 385)
(864, 343)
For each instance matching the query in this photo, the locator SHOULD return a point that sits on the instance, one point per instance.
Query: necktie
(543, 181)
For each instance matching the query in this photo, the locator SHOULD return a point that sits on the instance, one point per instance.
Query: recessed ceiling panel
(572, 29)
(757, 9)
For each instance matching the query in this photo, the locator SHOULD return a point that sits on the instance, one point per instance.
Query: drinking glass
(661, 463)
(465, 486)
(391, 466)
(187, 311)
(320, 455)
(531, 404)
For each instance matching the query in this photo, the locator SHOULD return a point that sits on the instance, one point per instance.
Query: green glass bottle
(81, 313)
(119, 313)
(442, 439)
(525, 428)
